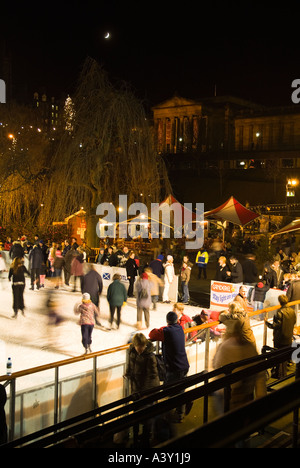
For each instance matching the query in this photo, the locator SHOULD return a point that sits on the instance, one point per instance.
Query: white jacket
(169, 272)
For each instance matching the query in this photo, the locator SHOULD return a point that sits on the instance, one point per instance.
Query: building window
(287, 163)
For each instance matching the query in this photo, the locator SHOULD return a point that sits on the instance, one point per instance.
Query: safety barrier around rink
(90, 382)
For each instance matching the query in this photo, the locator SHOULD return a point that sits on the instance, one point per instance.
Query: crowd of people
(151, 283)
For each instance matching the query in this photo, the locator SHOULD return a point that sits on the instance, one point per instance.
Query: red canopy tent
(231, 211)
(170, 200)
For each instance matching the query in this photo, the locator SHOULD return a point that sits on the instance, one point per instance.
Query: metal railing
(96, 427)
(12, 379)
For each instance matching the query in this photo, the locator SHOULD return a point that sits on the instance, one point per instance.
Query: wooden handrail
(104, 352)
(65, 362)
(250, 314)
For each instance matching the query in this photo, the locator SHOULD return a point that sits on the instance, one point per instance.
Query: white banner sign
(108, 272)
(221, 294)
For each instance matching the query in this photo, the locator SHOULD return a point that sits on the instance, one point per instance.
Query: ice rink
(30, 341)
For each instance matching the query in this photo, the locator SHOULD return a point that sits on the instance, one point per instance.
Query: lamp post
(290, 190)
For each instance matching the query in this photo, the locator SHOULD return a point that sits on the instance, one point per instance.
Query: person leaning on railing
(237, 323)
(283, 324)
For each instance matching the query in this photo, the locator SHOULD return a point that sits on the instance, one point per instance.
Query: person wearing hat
(174, 353)
(259, 295)
(168, 278)
(87, 310)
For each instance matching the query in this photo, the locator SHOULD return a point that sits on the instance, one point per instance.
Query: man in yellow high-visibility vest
(202, 261)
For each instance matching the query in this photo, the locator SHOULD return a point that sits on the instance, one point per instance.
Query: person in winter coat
(77, 269)
(157, 266)
(16, 250)
(269, 276)
(259, 296)
(293, 292)
(185, 275)
(141, 364)
(58, 265)
(43, 271)
(236, 270)
(17, 273)
(237, 323)
(283, 324)
(174, 352)
(131, 271)
(142, 372)
(116, 296)
(92, 283)
(223, 271)
(35, 264)
(69, 257)
(235, 349)
(156, 283)
(250, 271)
(87, 311)
(51, 256)
(168, 278)
(202, 261)
(241, 298)
(143, 300)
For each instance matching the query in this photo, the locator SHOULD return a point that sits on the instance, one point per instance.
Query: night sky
(249, 50)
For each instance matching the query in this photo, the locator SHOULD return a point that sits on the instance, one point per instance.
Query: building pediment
(175, 101)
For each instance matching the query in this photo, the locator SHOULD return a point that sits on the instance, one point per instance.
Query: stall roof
(293, 226)
(232, 211)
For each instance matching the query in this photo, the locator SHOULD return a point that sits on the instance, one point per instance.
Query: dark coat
(237, 273)
(131, 268)
(250, 271)
(221, 274)
(77, 266)
(116, 294)
(92, 283)
(36, 258)
(270, 277)
(58, 263)
(142, 368)
(283, 324)
(69, 257)
(260, 292)
(174, 352)
(16, 250)
(19, 275)
(157, 267)
(293, 293)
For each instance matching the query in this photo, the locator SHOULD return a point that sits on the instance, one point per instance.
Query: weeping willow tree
(106, 151)
(24, 156)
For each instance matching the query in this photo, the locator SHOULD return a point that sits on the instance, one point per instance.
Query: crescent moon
(107, 35)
